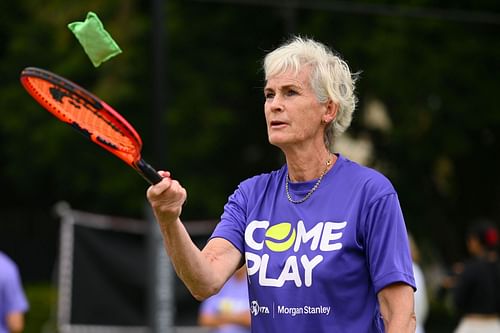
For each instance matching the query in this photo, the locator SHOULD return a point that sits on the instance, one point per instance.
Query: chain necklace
(315, 187)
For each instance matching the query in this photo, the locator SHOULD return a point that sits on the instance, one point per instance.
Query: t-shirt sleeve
(387, 247)
(15, 299)
(232, 224)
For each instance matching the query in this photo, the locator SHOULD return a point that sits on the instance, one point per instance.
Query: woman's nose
(276, 103)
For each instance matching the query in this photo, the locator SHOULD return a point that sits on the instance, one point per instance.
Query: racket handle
(148, 172)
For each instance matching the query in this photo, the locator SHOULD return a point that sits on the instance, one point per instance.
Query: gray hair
(330, 78)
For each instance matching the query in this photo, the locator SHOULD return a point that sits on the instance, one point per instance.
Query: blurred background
(190, 81)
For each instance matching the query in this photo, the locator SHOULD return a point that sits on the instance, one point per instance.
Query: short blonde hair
(330, 78)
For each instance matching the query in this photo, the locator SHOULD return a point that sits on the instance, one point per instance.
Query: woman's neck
(304, 167)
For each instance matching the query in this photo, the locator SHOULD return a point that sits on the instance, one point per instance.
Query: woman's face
(293, 113)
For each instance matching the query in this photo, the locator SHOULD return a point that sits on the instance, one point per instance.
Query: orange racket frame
(90, 116)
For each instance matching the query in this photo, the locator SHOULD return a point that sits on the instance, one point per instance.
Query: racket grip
(148, 172)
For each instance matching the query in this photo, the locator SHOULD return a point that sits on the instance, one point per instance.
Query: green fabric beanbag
(97, 42)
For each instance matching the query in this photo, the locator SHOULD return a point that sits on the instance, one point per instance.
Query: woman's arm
(203, 272)
(397, 308)
(15, 322)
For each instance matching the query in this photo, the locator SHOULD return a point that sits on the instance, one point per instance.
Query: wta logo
(256, 309)
(282, 237)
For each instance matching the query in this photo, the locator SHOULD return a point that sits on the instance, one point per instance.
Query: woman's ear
(331, 109)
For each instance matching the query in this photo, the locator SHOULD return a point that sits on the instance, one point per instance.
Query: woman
(323, 238)
(421, 300)
(477, 291)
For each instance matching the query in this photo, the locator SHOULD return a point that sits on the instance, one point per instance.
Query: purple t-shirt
(318, 266)
(12, 298)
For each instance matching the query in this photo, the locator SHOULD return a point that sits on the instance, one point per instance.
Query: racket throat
(147, 172)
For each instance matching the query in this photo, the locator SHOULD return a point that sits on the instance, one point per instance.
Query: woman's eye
(268, 95)
(291, 93)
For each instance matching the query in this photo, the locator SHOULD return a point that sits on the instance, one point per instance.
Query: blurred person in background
(421, 300)
(476, 290)
(228, 311)
(13, 302)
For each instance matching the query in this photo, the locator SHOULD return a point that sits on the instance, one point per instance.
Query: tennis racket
(90, 116)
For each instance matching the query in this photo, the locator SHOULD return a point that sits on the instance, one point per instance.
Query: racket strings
(83, 115)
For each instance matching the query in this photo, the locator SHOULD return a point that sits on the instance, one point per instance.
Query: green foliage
(41, 316)
(437, 78)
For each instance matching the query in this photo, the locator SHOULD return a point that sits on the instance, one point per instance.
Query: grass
(41, 317)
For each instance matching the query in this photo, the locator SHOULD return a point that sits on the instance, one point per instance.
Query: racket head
(85, 112)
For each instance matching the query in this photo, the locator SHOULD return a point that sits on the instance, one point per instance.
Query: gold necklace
(315, 187)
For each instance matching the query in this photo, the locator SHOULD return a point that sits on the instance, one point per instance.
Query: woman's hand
(166, 199)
